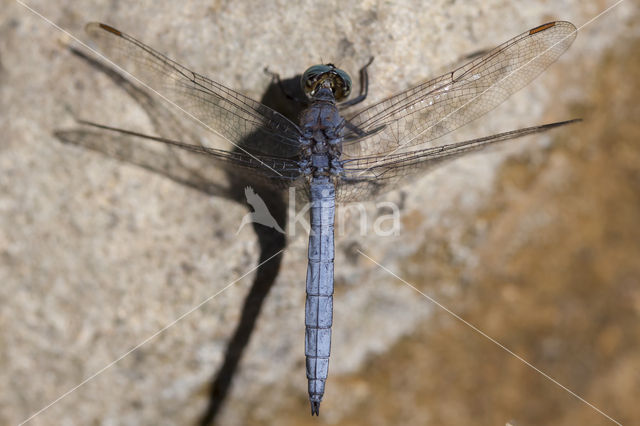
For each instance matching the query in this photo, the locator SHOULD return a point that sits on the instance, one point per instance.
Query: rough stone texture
(535, 244)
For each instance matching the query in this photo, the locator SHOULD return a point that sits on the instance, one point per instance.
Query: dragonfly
(330, 157)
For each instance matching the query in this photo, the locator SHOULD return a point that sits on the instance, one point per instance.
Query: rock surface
(535, 244)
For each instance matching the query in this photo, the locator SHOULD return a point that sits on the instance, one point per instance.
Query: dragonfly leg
(364, 87)
(355, 129)
(276, 77)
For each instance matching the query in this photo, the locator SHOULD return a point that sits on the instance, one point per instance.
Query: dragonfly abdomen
(319, 303)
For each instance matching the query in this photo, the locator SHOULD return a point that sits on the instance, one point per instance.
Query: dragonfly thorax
(322, 126)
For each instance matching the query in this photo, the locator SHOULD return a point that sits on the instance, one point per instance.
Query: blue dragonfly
(327, 157)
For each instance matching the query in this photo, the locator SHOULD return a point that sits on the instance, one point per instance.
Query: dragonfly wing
(367, 177)
(190, 165)
(223, 111)
(430, 110)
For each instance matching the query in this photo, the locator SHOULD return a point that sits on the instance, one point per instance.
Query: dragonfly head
(326, 76)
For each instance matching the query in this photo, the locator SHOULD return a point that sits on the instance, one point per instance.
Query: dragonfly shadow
(193, 172)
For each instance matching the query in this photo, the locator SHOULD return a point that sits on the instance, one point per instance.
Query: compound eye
(309, 79)
(342, 90)
(323, 75)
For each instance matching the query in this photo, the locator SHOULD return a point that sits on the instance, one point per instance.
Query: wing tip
(93, 26)
(542, 27)
(563, 123)
(552, 24)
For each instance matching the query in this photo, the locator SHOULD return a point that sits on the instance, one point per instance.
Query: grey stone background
(535, 243)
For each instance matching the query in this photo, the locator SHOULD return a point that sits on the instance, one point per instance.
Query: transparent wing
(426, 112)
(365, 178)
(226, 112)
(272, 172)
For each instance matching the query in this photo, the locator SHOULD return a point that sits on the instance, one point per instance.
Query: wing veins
(403, 117)
(403, 161)
(264, 166)
(182, 80)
